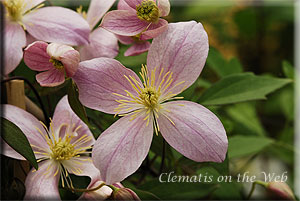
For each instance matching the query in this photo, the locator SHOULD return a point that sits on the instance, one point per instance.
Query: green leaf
(75, 104)
(245, 119)
(288, 69)
(241, 87)
(15, 138)
(222, 67)
(179, 190)
(239, 146)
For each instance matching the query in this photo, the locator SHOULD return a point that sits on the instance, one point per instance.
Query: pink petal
(126, 40)
(133, 3)
(31, 4)
(137, 48)
(86, 166)
(64, 114)
(98, 80)
(164, 7)
(70, 60)
(122, 5)
(123, 22)
(56, 49)
(30, 39)
(29, 125)
(15, 40)
(42, 184)
(57, 24)
(6, 150)
(121, 149)
(195, 132)
(155, 29)
(102, 44)
(50, 78)
(97, 9)
(182, 50)
(36, 57)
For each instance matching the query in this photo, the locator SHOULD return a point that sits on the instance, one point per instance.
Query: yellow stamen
(147, 11)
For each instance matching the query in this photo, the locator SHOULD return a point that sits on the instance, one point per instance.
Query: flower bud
(280, 190)
(125, 194)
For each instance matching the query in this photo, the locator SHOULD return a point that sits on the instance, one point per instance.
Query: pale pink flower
(51, 24)
(102, 42)
(135, 17)
(175, 60)
(56, 60)
(60, 150)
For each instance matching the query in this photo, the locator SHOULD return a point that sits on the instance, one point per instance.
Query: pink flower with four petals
(175, 60)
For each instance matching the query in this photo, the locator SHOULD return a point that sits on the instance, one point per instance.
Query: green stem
(253, 187)
(86, 190)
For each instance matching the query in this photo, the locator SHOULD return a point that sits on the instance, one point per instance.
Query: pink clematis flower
(102, 42)
(60, 150)
(175, 60)
(54, 59)
(135, 17)
(51, 24)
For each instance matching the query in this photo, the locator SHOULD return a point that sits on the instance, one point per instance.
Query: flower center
(62, 149)
(149, 96)
(56, 63)
(14, 9)
(81, 12)
(147, 11)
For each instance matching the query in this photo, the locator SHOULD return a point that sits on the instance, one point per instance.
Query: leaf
(246, 119)
(75, 104)
(15, 138)
(288, 69)
(239, 146)
(178, 190)
(222, 67)
(241, 87)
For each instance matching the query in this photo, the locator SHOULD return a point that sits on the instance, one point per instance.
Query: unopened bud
(280, 190)
(125, 194)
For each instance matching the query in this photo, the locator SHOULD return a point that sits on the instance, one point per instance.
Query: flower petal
(64, 114)
(31, 4)
(15, 40)
(126, 40)
(50, 78)
(121, 149)
(70, 60)
(42, 184)
(195, 132)
(164, 7)
(133, 3)
(182, 50)
(155, 29)
(36, 57)
(57, 24)
(6, 150)
(123, 22)
(97, 9)
(29, 125)
(99, 80)
(102, 44)
(122, 5)
(137, 48)
(82, 166)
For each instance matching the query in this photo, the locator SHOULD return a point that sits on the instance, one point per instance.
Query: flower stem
(86, 190)
(163, 156)
(253, 187)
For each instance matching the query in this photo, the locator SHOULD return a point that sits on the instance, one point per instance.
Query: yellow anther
(14, 9)
(56, 63)
(147, 11)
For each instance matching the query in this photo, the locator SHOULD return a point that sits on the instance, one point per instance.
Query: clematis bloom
(175, 60)
(135, 17)
(51, 24)
(102, 43)
(60, 150)
(56, 60)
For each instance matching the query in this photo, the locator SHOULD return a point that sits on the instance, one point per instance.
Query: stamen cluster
(14, 9)
(147, 11)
